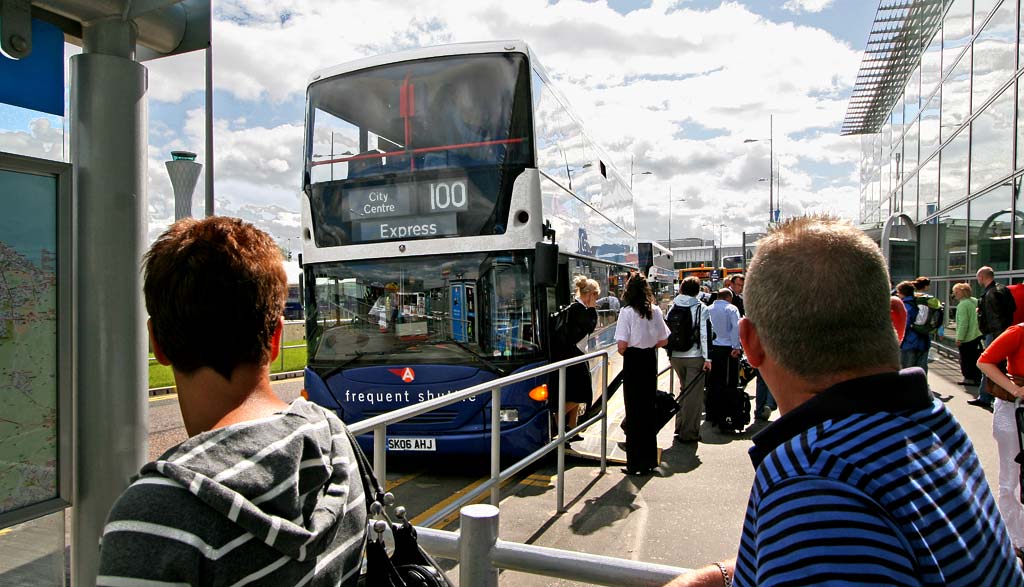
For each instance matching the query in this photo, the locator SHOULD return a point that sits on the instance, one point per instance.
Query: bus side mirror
(545, 270)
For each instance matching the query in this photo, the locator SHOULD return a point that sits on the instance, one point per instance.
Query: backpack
(930, 314)
(683, 334)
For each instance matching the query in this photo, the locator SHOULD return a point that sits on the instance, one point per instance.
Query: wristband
(725, 575)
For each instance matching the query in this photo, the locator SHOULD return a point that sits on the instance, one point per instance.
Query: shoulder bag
(409, 565)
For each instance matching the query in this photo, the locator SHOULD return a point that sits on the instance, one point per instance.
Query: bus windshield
(417, 149)
(474, 308)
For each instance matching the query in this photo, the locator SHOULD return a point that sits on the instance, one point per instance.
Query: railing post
(282, 353)
(560, 484)
(604, 419)
(380, 455)
(477, 535)
(495, 444)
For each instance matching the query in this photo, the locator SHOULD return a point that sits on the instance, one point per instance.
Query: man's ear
(275, 340)
(158, 353)
(751, 343)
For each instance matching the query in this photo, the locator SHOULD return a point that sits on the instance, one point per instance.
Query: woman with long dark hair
(639, 331)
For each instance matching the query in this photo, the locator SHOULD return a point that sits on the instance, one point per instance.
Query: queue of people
(866, 478)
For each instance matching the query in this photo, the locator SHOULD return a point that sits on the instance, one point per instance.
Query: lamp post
(631, 174)
(670, 201)
(771, 165)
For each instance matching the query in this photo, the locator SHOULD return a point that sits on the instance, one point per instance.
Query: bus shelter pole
(560, 489)
(495, 444)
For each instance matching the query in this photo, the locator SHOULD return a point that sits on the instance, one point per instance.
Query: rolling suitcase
(666, 405)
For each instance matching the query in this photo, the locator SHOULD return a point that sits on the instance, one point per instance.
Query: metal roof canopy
(900, 33)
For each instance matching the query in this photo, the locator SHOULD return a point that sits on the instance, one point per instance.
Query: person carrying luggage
(639, 331)
(723, 406)
(571, 325)
(689, 354)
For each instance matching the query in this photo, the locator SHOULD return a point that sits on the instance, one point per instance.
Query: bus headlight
(508, 415)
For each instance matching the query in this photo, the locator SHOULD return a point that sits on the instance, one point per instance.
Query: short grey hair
(818, 292)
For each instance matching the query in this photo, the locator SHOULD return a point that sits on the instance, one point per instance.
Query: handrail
(378, 425)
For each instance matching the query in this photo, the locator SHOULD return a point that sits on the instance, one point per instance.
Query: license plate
(400, 444)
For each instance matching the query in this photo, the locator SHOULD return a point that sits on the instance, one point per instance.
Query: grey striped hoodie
(276, 501)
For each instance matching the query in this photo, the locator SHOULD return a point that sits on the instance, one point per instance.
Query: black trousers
(969, 352)
(723, 379)
(640, 369)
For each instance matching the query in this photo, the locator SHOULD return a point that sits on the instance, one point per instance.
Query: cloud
(806, 5)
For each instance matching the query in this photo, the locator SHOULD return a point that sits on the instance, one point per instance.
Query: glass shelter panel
(930, 127)
(928, 199)
(931, 66)
(991, 216)
(956, 31)
(992, 142)
(910, 148)
(912, 96)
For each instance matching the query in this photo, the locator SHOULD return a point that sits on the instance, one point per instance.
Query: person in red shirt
(898, 315)
(1008, 347)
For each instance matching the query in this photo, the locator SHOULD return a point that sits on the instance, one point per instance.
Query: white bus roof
(517, 46)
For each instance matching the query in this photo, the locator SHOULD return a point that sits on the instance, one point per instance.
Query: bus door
(463, 310)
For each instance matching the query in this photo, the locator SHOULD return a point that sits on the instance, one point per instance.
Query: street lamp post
(631, 174)
(670, 201)
(771, 165)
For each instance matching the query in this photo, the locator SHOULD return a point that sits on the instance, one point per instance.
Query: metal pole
(282, 352)
(771, 167)
(209, 130)
(495, 444)
(560, 485)
(108, 144)
(477, 536)
(604, 420)
(670, 219)
(380, 455)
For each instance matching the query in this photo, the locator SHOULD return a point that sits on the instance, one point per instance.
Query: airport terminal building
(940, 113)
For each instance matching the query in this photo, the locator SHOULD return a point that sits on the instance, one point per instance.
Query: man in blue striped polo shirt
(866, 479)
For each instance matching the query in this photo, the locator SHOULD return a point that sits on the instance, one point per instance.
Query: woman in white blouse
(640, 330)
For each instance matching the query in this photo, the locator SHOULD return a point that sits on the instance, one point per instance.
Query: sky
(673, 87)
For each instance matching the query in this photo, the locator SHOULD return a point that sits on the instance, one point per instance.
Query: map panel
(28, 340)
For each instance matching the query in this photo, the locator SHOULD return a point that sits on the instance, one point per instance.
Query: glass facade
(950, 154)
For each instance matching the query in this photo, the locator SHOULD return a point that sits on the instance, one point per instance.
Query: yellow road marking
(448, 500)
(445, 521)
(389, 485)
(6, 531)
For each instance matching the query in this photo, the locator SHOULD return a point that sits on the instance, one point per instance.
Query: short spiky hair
(818, 292)
(214, 290)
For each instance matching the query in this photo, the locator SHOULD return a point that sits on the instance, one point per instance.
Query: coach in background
(263, 492)
(866, 479)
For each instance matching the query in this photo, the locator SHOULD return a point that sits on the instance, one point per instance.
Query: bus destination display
(406, 210)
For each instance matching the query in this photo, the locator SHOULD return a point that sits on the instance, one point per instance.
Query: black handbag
(409, 565)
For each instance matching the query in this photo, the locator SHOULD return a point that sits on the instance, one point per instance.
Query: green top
(967, 320)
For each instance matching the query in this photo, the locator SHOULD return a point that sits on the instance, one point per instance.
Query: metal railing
(378, 425)
(481, 554)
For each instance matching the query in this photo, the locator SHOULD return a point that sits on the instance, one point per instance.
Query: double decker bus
(450, 197)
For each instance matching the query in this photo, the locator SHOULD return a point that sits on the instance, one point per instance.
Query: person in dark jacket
(577, 323)
(995, 314)
(915, 346)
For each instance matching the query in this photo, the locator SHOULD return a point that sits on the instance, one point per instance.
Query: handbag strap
(371, 487)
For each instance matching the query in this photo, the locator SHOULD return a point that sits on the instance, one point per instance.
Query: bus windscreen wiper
(339, 368)
(476, 356)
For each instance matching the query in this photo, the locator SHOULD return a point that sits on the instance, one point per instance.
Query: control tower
(184, 172)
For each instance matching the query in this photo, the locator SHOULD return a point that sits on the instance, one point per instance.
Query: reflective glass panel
(910, 198)
(931, 66)
(982, 8)
(956, 96)
(930, 127)
(991, 216)
(928, 198)
(956, 31)
(897, 120)
(954, 169)
(912, 96)
(992, 142)
(994, 53)
(1020, 123)
(910, 145)
(953, 241)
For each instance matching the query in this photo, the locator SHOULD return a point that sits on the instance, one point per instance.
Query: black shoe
(575, 438)
(978, 402)
(637, 473)
(967, 382)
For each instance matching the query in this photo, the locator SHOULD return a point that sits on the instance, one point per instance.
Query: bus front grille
(434, 417)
